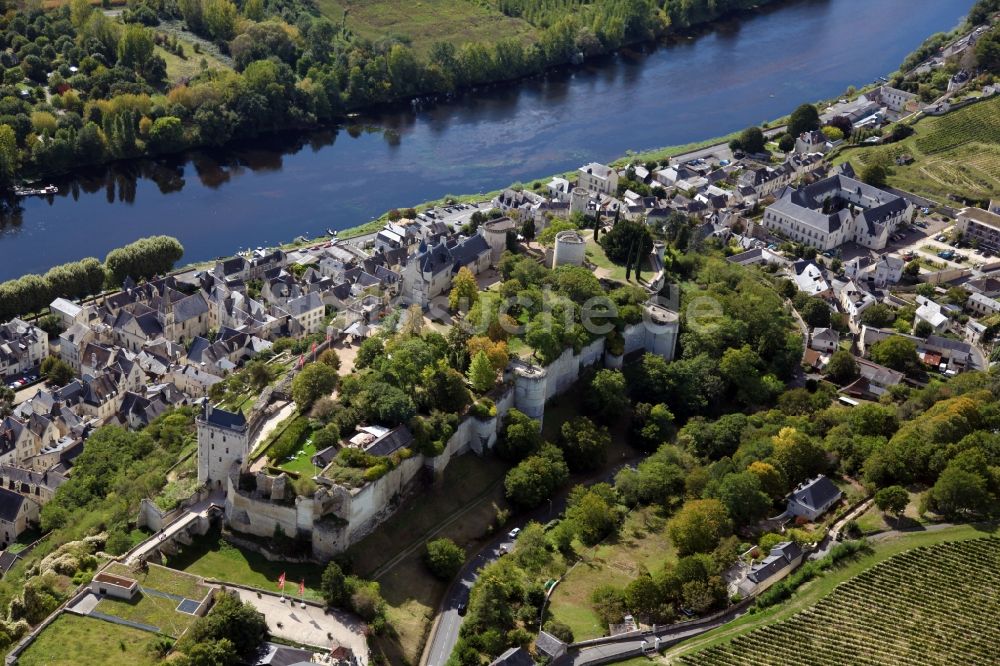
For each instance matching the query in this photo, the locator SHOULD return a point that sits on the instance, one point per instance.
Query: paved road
(444, 634)
(720, 151)
(647, 644)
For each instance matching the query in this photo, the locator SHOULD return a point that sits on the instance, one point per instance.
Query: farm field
(955, 153)
(933, 604)
(421, 24)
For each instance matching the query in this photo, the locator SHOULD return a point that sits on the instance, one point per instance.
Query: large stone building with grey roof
(837, 210)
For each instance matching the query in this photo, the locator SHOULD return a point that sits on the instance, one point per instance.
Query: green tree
(608, 602)
(740, 367)
(960, 493)
(135, 47)
(815, 312)
(744, 498)
(481, 373)
(520, 436)
(626, 240)
(797, 455)
(334, 587)
(312, 383)
(8, 155)
(219, 18)
(875, 175)
(698, 526)
(842, 368)
(592, 512)
(892, 499)
(443, 558)
(878, 315)
(786, 143)
(167, 134)
(752, 140)
(56, 371)
(584, 443)
(607, 397)
(536, 477)
(805, 118)
(895, 352)
(464, 291)
(988, 51)
(444, 387)
(235, 621)
(331, 358)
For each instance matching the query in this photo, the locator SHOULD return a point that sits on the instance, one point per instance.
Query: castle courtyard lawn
(82, 641)
(211, 557)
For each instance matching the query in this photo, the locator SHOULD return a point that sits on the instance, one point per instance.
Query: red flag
(302, 360)
(302, 587)
(281, 581)
(314, 348)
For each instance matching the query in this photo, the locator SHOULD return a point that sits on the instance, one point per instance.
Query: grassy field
(211, 557)
(189, 66)
(641, 544)
(923, 606)
(955, 153)
(424, 22)
(81, 641)
(812, 592)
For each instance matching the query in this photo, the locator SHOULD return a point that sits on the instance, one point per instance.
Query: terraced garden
(930, 605)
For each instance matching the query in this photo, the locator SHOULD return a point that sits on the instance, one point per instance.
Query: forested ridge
(82, 85)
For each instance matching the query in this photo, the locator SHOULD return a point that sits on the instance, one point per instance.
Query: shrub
(443, 558)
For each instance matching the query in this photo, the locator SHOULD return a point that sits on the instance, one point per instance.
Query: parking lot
(924, 243)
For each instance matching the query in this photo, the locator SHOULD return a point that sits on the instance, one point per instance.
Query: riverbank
(267, 192)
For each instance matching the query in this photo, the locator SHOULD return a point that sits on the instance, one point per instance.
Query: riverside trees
(143, 259)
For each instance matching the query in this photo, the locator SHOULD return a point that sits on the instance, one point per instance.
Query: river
(742, 73)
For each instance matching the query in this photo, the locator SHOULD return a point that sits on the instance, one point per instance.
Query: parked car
(513, 533)
(461, 608)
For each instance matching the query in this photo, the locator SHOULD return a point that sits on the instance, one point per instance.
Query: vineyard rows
(930, 605)
(979, 122)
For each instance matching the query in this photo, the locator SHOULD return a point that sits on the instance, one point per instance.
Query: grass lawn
(82, 641)
(641, 544)
(301, 463)
(813, 591)
(955, 153)
(211, 557)
(163, 579)
(424, 22)
(149, 609)
(606, 267)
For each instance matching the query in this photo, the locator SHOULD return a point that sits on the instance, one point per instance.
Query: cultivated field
(929, 605)
(955, 153)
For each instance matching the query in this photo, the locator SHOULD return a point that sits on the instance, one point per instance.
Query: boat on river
(35, 191)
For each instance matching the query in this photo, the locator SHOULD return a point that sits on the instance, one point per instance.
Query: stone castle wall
(338, 517)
